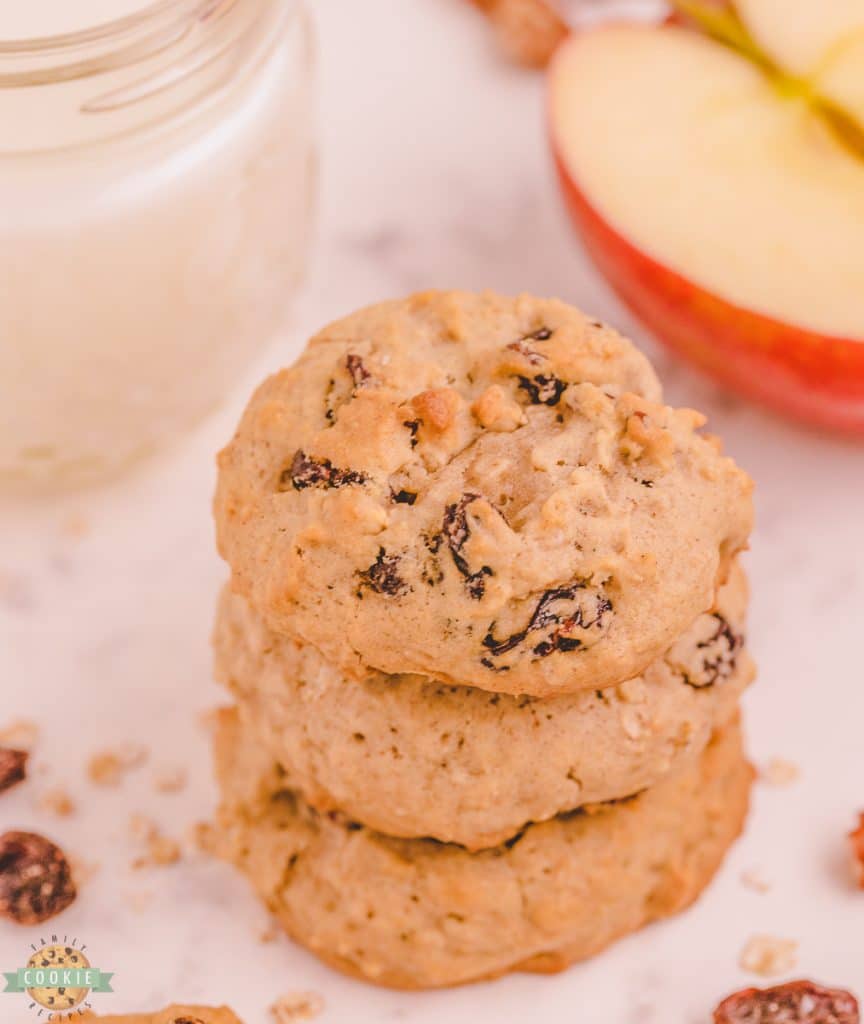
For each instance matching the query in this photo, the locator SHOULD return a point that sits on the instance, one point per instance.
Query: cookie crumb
(109, 767)
(204, 838)
(162, 850)
(779, 772)
(13, 767)
(856, 848)
(297, 1006)
(56, 801)
(269, 934)
(170, 779)
(753, 879)
(21, 734)
(766, 955)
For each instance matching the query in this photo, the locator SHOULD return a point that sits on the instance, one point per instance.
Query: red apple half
(725, 212)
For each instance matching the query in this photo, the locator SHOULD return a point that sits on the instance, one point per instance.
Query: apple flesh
(821, 43)
(805, 38)
(726, 213)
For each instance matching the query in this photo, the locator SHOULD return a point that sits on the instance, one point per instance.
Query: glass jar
(156, 185)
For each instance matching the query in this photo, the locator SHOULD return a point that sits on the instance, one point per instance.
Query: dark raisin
(431, 573)
(529, 353)
(383, 576)
(434, 542)
(35, 878)
(542, 389)
(719, 654)
(13, 767)
(456, 531)
(413, 426)
(306, 471)
(524, 349)
(798, 1002)
(475, 584)
(359, 374)
(556, 616)
(403, 497)
(329, 410)
(187, 1020)
(513, 840)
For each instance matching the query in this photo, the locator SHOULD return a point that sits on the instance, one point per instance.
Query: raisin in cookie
(415, 913)
(171, 1015)
(478, 489)
(413, 757)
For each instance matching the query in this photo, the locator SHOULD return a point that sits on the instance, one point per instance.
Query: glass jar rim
(108, 46)
(103, 30)
(151, 69)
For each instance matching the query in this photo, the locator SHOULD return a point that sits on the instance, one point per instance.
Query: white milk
(153, 226)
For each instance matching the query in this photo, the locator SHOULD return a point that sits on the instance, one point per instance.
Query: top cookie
(478, 489)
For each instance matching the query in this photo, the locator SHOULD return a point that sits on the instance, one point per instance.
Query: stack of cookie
(484, 633)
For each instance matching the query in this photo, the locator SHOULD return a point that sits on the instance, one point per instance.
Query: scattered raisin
(35, 878)
(306, 471)
(542, 389)
(403, 497)
(856, 842)
(359, 374)
(456, 531)
(798, 1002)
(383, 576)
(13, 767)
(556, 621)
(187, 1020)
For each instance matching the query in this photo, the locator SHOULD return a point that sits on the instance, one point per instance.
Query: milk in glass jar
(156, 180)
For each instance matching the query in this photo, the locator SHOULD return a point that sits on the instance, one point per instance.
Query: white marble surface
(435, 172)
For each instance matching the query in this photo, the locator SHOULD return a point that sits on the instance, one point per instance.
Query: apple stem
(724, 25)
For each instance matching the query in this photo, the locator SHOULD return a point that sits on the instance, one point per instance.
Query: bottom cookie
(417, 913)
(171, 1015)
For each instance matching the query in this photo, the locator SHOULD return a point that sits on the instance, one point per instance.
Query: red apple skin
(814, 378)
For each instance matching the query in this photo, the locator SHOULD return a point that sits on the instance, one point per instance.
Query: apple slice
(725, 211)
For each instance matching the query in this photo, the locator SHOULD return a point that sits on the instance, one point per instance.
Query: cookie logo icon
(56, 958)
(58, 978)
